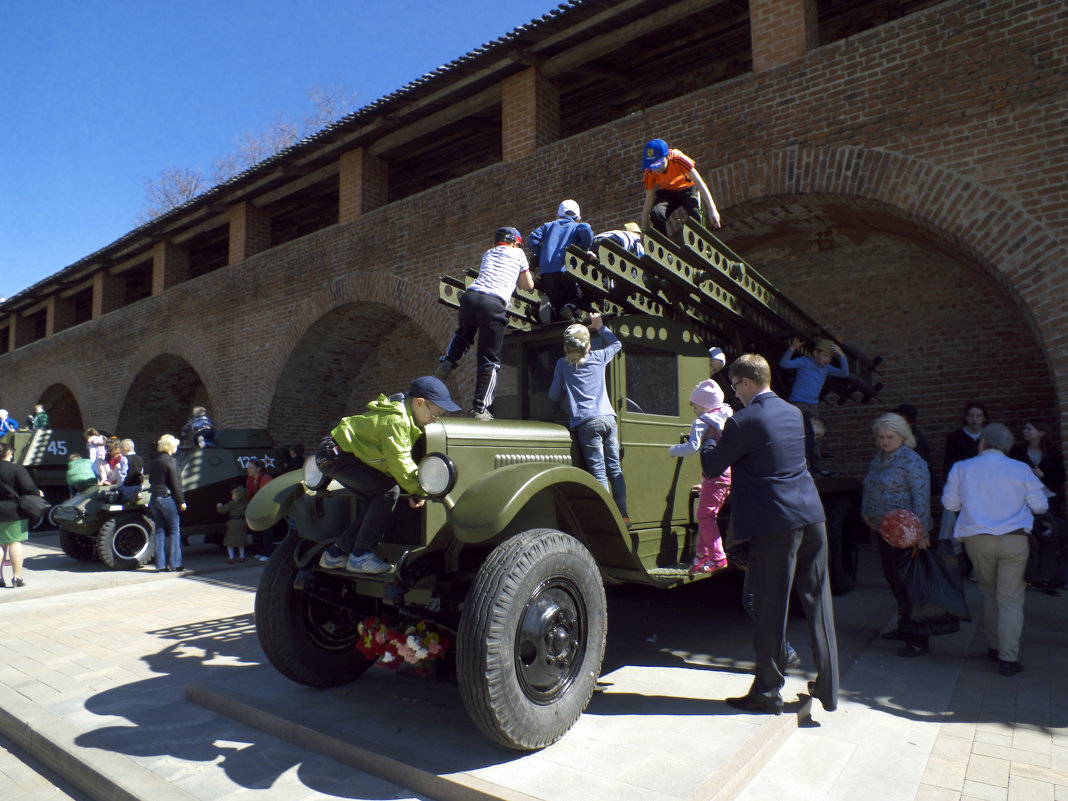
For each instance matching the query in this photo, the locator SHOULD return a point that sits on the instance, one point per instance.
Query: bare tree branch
(177, 186)
(174, 187)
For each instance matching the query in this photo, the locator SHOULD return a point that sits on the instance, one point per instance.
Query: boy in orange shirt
(670, 181)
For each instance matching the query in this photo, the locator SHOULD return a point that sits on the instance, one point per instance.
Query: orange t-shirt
(675, 178)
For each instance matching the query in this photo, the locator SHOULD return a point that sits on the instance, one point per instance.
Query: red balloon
(901, 528)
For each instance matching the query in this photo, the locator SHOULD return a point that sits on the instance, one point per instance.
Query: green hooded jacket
(382, 437)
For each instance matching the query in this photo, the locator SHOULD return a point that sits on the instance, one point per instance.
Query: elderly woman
(165, 488)
(897, 478)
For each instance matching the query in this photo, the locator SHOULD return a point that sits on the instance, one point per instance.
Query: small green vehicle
(94, 524)
(513, 555)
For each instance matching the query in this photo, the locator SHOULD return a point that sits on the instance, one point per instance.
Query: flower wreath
(419, 644)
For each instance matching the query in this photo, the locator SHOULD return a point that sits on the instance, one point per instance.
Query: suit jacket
(771, 488)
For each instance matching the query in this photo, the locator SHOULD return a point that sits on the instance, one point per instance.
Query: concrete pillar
(530, 114)
(782, 31)
(250, 231)
(363, 184)
(170, 266)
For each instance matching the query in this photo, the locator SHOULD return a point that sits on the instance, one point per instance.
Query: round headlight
(313, 477)
(437, 475)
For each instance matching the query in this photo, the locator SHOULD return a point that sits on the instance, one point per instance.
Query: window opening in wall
(137, 283)
(83, 306)
(304, 212)
(209, 251)
(652, 380)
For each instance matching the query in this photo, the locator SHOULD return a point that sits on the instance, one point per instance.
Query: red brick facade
(901, 185)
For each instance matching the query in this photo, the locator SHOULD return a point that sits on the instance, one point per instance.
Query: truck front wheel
(125, 541)
(531, 639)
(307, 639)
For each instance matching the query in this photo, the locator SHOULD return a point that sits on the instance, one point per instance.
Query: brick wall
(950, 162)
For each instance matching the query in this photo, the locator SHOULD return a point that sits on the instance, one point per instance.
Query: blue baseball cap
(655, 150)
(434, 390)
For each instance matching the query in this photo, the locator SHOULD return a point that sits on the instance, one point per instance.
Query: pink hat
(707, 395)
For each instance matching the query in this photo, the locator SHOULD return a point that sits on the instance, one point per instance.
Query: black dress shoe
(828, 705)
(1008, 668)
(757, 703)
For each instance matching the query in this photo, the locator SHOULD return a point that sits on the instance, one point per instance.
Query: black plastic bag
(934, 591)
(1047, 563)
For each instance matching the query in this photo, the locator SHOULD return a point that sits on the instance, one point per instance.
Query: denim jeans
(165, 516)
(377, 493)
(598, 440)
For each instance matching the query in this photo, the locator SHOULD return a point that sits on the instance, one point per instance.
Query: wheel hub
(550, 641)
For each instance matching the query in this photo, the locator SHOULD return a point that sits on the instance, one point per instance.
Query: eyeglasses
(734, 384)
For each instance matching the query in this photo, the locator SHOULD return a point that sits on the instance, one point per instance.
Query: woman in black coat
(1044, 459)
(165, 487)
(14, 525)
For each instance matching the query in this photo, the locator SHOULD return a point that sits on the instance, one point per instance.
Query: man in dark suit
(774, 503)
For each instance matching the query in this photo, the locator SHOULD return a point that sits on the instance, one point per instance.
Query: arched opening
(343, 361)
(62, 408)
(948, 327)
(160, 398)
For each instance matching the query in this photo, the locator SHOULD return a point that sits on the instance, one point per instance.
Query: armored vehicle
(94, 525)
(512, 558)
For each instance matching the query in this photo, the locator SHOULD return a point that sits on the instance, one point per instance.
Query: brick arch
(1007, 242)
(1004, 236)
(75, 380)
(408, 298)
(400, 327)
(185, 347)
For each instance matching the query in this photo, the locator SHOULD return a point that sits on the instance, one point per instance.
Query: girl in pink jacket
(707, 403)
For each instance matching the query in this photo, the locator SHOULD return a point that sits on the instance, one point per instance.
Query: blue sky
(100, 96)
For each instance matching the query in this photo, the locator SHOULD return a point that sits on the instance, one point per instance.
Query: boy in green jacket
(371, 455)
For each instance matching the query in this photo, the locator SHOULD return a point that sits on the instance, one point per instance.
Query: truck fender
(489, 505)
(272, 500)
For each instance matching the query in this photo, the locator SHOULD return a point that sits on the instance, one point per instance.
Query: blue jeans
(165, 516)
(599, 442)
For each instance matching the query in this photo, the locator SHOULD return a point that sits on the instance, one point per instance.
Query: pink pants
(709, 502)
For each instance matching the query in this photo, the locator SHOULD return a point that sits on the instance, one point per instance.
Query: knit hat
(707, 395)
(716, 355)
(825, 345)
(568, 208)
(633, 227)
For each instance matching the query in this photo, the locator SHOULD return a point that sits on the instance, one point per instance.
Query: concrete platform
(144, 685)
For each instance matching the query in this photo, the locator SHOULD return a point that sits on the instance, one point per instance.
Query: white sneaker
(331, 562)
(367, 563)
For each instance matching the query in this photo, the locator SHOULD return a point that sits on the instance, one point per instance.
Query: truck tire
(531, 639)
(307, 639)
(842, 535)
(125, 541)
(77, 546)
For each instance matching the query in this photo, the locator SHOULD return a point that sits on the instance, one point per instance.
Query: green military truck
(512, 558)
